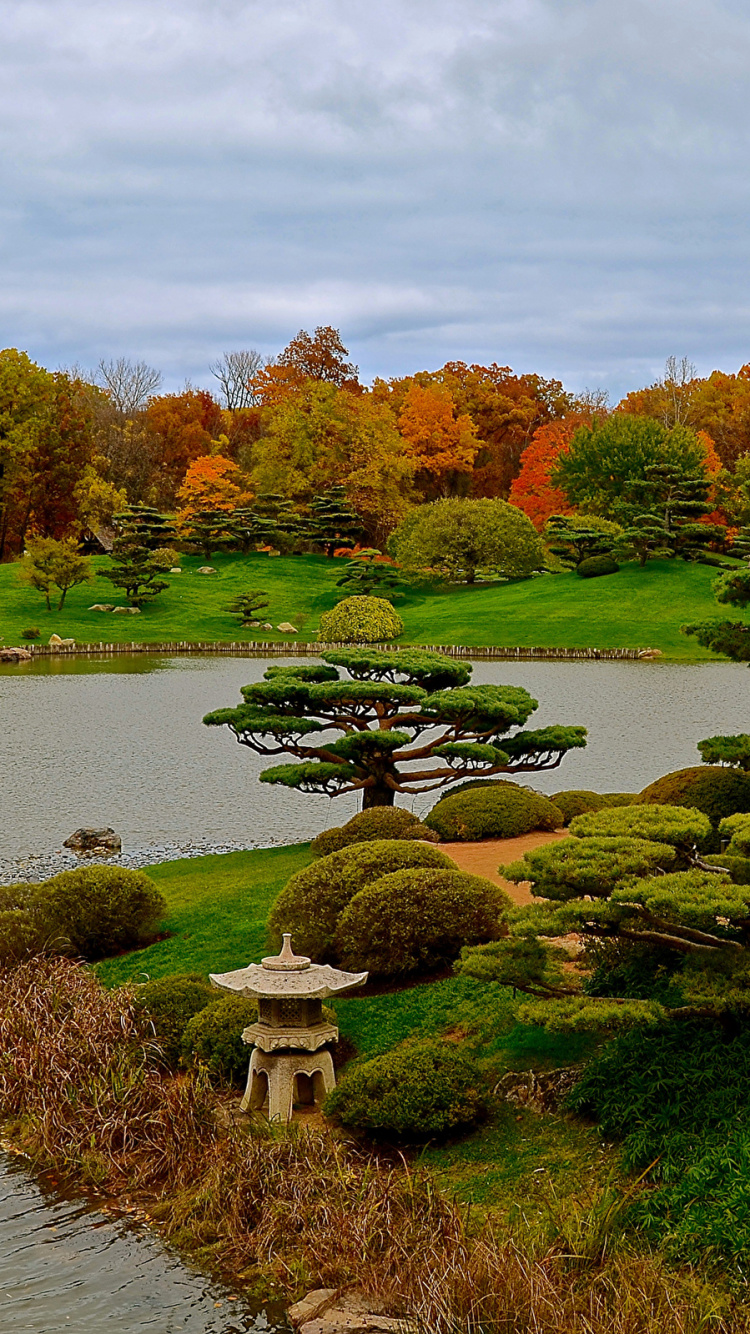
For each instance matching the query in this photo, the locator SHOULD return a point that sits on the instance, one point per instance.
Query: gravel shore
(42, 866)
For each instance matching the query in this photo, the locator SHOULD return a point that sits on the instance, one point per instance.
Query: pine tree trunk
(378, 795)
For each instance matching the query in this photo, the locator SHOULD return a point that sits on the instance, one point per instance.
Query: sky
(561, 186)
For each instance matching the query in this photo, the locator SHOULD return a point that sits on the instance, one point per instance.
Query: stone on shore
(15, 655)
(328, 1311)
(54, 641)
(86, 841)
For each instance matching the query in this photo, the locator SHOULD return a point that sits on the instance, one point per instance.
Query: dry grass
(81, 1081)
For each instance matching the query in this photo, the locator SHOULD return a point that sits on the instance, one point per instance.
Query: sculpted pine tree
(405, 721)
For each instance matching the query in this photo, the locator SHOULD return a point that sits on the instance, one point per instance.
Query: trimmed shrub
(33, 632)
(501, 810)
(360, 620)
(579, 801)
(379, 822)
(421, 1089)
(414, 921)
(170, 1003)
(738, 867)
(311, 903)
(20, 935)
(213, 1037)
(680, 826)
(96, 911)
(716, 791)
(594, 566)
(737, 828)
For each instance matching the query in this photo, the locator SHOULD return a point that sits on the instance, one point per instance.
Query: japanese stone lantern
(291, 1061)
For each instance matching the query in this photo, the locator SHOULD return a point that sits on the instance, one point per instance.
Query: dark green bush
(96, 911)
(20, 935)
(500, 810)
(213, 1037)
(379, 822)
(716, 791)
(594, 566)
(414, 921)
(311, 903)
(33, 632)
(421, 1089)
(170, 1003)
(579, 801)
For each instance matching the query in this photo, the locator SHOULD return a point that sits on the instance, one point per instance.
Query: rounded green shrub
(500, 810)
(379, 822)
(33, 632)
(679, 826)
(170, 1003)
(20, 935)
(422, 1089)
(738, 867)
(579, 801)
(360, 620)
(414, 921)
(594, 566)
(312, 901)
(716, 791)
(213, 1037)
(737, 829)
(96, 911)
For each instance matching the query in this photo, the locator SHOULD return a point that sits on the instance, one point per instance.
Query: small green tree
(732, 751)
(247, 605)
(644, 538)
(50, 564)
(456, 539)
(367, 575)
(729, 637)
(574, 538)
(407, 721)
(631, 882)
(210, 531)
(333, 522)
(271, 520)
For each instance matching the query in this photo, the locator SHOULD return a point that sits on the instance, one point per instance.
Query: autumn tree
(402, 722)
(183, 427)
(456, 539)
(442, 442)
(532, 490)
(211, 483)
(319, 357)
(51, 564)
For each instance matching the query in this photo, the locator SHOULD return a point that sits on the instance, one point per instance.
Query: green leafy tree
(644, 538)
(608, 462)
(146, 525)
(50, 564)
(210, 531)
(456, 539)
(407, 721)
(729, 637)
(633, 885)
(247, 605)
(662, 519)
(732, 751)
(271, 520)
(367, 575)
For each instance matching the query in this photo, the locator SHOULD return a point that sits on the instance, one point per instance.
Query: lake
(120, 742)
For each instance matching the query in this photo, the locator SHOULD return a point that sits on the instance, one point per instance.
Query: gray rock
(98, 841)
(68, 643)
(14, 655)
(126, 611)
(329, 1311)
(206, 569)
(287, 628)
(175, 569)
(55, 641)
(102, 606)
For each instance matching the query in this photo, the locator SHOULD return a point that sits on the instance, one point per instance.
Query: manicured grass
(636, 608)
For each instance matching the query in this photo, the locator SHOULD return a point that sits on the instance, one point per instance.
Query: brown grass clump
(81, 1081)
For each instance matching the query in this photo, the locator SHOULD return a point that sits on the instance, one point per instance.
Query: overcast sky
(556, 185)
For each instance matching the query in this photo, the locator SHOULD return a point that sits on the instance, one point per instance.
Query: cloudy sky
(556, 185)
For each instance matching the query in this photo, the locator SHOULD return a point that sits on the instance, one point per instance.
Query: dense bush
(737, 829)
(170, 1003)
(500, 810)
(422, 1089)
(678, 1098)
(360, 620)
(311, 903)
(594, 566)
(716, 791)
(379, 822)
(92, 911)
(213, 1037)
(579, 801)
(413, 921)
(738, 867)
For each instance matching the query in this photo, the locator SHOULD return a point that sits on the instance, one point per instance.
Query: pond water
(64, 1266)
(120, 742)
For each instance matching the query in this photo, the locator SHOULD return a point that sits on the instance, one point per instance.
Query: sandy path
(484, 858)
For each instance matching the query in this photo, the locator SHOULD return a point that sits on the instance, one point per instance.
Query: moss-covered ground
(217, 908)
(635, 608)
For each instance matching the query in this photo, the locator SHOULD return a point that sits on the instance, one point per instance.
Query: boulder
(175, 569)
(55, 641)
(102, 606)
(67, 643)
(650, 653)
(329, 1311)
(87, 841)
(15, 655)
(287, 628)
(266, 626)
(126, 611)
(205, 569)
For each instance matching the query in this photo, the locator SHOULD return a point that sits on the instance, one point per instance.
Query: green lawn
(636, 608)
(217, 907)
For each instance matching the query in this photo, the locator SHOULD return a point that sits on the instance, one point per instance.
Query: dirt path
(485, 858)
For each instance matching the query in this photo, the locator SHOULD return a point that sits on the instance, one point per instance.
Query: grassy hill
(636, 608)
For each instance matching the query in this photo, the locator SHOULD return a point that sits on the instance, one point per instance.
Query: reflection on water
(64, 1267)
(120, 742)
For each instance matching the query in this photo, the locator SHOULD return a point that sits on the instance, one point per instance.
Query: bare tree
(678, 381)
(129, 384)
(235, 372)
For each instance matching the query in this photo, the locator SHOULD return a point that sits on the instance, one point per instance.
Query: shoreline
(296, 648)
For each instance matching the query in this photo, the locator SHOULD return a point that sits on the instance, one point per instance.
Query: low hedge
(360, 620)
(716, 791)
(594, 566)
(310, 904)
(378, 822)
(92, 911)
(170, 1003)
(499, 810)
(422, 1089)
(579, 801)
(414, 921)
(213, 1038)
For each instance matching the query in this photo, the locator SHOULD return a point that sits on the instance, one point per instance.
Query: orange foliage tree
(443, 443)
(318, 356)
(210, 484)
(532, 490)
(183, 427)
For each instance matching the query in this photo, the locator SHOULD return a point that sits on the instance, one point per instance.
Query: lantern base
(277, 1076)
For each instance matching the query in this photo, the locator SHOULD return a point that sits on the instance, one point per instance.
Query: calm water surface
(63, 1266)
(120, 742)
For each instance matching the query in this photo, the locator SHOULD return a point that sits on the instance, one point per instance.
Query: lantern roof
(287, 974)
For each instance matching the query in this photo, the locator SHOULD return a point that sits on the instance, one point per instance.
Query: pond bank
(302, 649)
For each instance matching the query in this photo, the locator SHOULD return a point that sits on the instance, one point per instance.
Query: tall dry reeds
(81, 1081)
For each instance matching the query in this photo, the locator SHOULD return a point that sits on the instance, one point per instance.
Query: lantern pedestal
(275, 1076)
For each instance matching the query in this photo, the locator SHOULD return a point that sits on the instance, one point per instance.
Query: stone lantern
(290, 1039)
